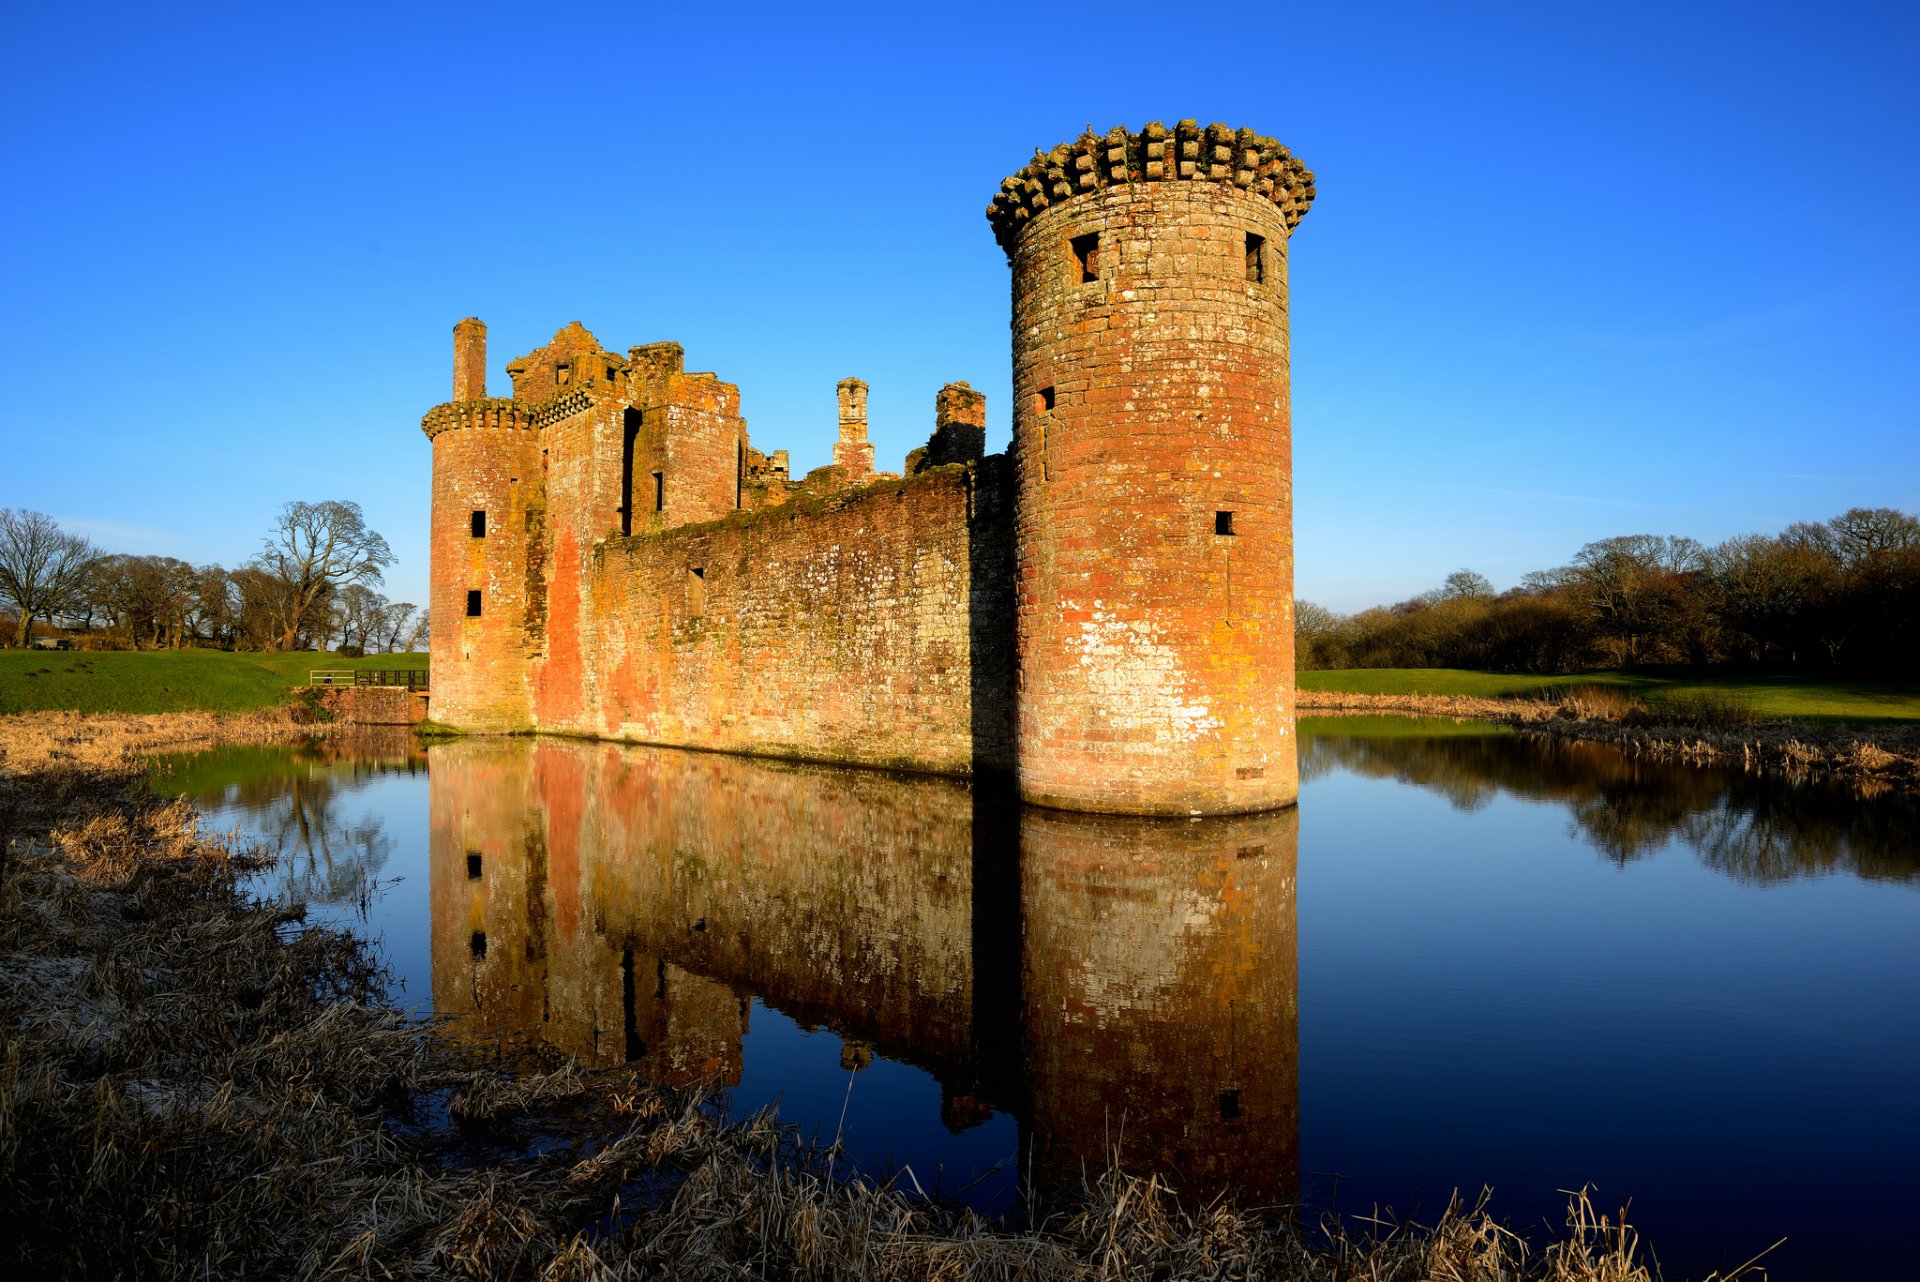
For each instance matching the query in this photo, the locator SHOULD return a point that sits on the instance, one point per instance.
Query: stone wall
(373, 705)
(872, 626)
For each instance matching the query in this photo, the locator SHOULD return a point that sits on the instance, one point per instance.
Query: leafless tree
(399, 625)
(1465, 585)
(43, 569)
(314, 550)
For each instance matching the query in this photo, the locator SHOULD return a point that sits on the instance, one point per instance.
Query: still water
(1465, 959)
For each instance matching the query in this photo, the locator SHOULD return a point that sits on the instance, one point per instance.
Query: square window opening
(473, 865)
(1229, 1105)
(1223, 523)
(477, 945)
(1043, 401)
(473, 603)
(1086, 256)
(1256, 259)
(478, 524)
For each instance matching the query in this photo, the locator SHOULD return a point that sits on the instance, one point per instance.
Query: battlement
(1188, 152)
(496, 411)
(564, 403)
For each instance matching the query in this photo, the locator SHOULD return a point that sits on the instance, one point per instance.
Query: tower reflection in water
(1113, 984)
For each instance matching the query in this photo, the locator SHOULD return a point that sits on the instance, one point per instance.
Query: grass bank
(193, 1084)
(153, 681)
(1698, 725)
(1767, 698)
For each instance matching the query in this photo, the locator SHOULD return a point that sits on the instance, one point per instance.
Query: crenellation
(1104, 612)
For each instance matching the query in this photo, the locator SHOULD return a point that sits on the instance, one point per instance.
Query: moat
(1466, 958)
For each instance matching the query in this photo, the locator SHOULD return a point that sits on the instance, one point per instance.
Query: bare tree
(397, 625)
(1465, 585)
(314, 550)
(43, 569)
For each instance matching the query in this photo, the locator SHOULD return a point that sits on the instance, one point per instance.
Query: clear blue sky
(1574, 270)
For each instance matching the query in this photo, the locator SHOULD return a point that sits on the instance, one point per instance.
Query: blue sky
(1573, 271)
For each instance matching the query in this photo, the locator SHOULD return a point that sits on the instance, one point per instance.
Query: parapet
(496, 412)
(1187, 153)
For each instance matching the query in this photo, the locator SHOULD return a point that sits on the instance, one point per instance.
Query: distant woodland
(310, 587)
(1834, 597)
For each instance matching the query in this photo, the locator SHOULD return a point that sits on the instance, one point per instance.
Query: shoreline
(193, 1082)
(1874, 758)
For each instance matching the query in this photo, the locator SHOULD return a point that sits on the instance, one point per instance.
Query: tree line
(310, 587)
(1837, 597)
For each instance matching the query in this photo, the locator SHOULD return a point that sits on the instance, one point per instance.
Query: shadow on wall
(990, 614)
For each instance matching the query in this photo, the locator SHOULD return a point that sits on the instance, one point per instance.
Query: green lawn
(163, 680)
(1772, 697)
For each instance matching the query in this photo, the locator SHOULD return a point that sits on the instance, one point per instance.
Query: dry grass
(195, 1085)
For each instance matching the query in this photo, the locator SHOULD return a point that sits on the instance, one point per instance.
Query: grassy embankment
(1767, 698)
(147, 681)
(192, 1084)
(1867, 732)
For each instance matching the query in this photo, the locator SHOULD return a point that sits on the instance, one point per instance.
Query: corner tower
(1152, 443)
(487, 503)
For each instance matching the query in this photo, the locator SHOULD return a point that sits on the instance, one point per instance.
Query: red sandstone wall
(487, 459)
(870, 627)
(1156, 657)
(374, 705)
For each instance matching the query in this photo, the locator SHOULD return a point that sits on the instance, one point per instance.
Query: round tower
(487, 505)
(1152, 455)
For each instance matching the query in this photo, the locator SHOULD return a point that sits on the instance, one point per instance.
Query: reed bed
(193, 1084)
(1876, 759)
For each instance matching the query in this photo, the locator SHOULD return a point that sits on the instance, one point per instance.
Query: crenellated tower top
(1189, 152)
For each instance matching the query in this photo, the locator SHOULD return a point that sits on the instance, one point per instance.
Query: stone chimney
(470, 359)
(853, 451)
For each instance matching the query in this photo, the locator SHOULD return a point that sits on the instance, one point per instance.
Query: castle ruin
(1105, 612)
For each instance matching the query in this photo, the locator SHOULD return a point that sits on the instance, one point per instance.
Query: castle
(1104, 613)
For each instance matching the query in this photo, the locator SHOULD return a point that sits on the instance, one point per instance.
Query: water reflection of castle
(1091, 976)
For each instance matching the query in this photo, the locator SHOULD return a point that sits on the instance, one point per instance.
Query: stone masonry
(1105, 613)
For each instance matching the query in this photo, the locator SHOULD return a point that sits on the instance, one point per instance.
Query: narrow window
(477, 945)
(659, 491)
(473, 603)
(1256, 259)
(473, 865)
(1229, 1105)
(631, 423)
(479, 525)
(1044, 398)
(696, 593)
(1086, 256)
(1223, 523)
